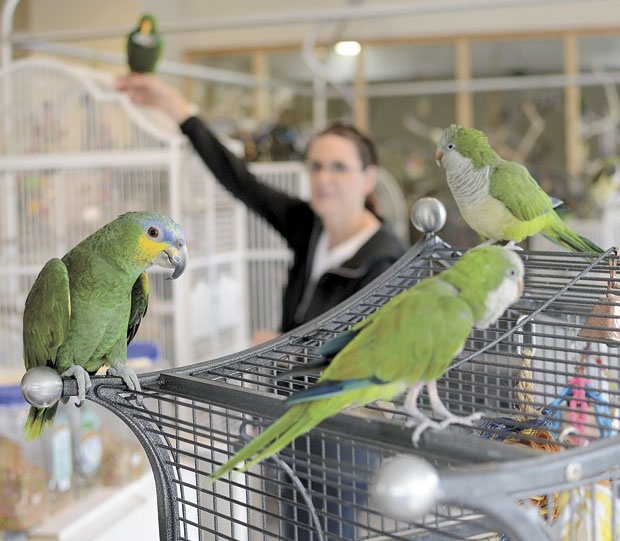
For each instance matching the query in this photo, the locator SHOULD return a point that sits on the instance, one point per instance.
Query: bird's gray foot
(440, 409)
(416, 417)
(422, 424)
(83, 381)
(467, 420)
(128, 375)
(488, 242)
(512, 245)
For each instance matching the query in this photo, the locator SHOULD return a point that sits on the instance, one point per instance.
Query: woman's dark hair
(365, 148)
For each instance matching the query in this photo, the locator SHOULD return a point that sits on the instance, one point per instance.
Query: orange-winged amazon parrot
(83, 309)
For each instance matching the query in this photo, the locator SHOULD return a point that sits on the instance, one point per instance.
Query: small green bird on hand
(406, 344)
(144, 46)
(83, 309)
(499, 199)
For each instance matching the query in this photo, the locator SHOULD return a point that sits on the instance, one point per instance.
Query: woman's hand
(149, 90)
(263, 335)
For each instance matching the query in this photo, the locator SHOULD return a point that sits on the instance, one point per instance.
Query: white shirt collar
(326, 259)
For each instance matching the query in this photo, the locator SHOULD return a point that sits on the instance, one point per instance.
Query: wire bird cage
(74, 154)
(541, 464)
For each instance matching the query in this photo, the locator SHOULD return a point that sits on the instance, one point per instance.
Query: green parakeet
(605, 183)
(144, 46)
(83, 309)
(408, 343)
(499, 199)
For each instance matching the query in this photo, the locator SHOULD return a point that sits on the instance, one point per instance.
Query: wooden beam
(360, 104)
(610, 30)
(187, 82)
(464, 98)
(260, 70)
(572, 115)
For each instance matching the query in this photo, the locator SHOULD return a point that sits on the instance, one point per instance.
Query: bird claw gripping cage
(542, 463)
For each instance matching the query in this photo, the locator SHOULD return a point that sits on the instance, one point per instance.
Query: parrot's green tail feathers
(272, 440)
(37, 419)
(562, 235)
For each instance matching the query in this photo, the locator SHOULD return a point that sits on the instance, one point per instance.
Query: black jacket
(297, 223)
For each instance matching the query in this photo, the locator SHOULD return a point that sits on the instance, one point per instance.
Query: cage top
(545, 376)
(54, 108)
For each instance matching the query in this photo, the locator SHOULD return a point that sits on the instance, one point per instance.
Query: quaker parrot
(83, 309)
(604, 185)
(499, 199)
(144, 46)
(407, 343)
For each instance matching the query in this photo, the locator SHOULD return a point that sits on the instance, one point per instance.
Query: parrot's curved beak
(179, 260)
(438, 156)
(521, 284)
(173, 257)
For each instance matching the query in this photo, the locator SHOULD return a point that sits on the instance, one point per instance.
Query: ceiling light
(348, 48)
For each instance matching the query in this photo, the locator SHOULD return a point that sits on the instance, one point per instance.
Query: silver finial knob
(428, 215)
(406, 487)
(41, 386)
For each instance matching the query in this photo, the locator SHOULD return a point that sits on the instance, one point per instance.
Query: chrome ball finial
(41, 386)
(428, 215)
(406, 487)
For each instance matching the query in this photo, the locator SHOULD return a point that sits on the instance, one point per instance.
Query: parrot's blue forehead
(172, 232)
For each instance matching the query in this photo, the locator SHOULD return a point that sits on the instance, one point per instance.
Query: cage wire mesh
(544, 378)
(74, 154)
(268, 256)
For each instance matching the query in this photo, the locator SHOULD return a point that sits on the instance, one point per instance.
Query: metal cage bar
(517, 372)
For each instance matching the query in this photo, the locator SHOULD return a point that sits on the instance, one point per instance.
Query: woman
(339, 245)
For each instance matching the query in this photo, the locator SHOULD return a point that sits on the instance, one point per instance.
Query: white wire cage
(74, 154)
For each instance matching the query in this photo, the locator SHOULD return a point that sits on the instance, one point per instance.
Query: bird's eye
(512, 272)
(450, 146)
(152, 232)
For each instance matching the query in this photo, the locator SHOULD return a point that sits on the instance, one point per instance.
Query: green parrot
(83, 309)
(499, 199)
(144, 46)
(407, 343)
(605, 183)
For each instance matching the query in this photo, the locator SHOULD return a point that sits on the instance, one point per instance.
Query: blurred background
(539, 77)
